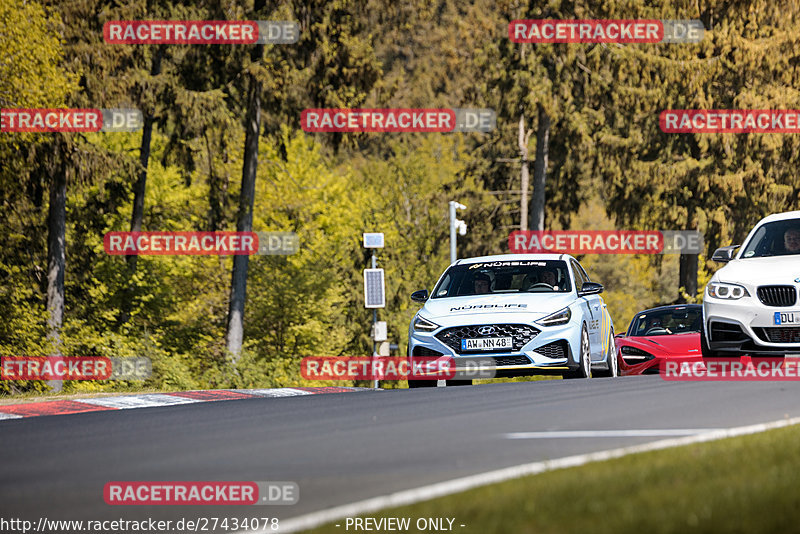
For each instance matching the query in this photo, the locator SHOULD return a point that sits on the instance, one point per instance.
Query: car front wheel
(584, 369)
(611, 358)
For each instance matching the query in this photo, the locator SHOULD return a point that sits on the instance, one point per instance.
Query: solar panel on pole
(374, 289)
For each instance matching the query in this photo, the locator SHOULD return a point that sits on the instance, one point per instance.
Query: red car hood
(667, 345)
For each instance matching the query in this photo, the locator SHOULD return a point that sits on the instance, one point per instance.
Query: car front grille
(520, 334)
(419, 350)
(511, 360)
(556, 350)
(780, 335)
(777, 296)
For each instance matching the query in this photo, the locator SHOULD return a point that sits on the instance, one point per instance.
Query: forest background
(578, 122)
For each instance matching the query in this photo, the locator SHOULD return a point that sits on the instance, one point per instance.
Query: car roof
(511, 257)
(781, 216)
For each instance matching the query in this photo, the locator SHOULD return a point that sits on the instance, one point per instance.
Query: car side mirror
(590, 288)
(420, 296)
(618, 336)
(724, 254)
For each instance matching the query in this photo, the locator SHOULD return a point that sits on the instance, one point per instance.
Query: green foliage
(31, 75)
(610, 166)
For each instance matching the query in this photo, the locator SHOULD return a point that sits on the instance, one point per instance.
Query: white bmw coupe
(750, 306)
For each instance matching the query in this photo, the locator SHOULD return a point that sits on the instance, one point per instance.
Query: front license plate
(792, 317)
(487, 343)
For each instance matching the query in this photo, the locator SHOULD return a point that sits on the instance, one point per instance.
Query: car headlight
(722, 290)
(633, 353)
(423, 325)
(555, 319)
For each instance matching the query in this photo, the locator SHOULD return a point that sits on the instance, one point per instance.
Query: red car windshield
(667, 321)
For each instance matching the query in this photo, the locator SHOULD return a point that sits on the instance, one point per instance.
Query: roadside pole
(374, 322)
(455, 225)
(374, 289)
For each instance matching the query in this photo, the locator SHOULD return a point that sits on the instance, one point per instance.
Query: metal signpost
(374, 291)
(455, 224)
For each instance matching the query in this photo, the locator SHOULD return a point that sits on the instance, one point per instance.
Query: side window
(444, 286)
(577, 274)
(641, 327)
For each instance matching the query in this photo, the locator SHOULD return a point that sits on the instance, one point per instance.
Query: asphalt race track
(343, 448)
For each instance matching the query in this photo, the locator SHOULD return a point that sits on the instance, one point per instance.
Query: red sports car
(658, 335)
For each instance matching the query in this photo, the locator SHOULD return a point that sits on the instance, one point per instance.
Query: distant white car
(750, 305)
(526, 314)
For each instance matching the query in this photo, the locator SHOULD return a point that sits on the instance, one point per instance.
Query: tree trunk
(235, 334)
(139, 189)
(688, 275)
(56, 254)
(217, 189)
(524, 174)
(540, 171)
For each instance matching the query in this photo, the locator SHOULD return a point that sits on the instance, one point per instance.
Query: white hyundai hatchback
(750, 305)
(517, 314)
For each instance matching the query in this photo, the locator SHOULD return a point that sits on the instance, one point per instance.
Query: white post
(374, 320)
(455, 224)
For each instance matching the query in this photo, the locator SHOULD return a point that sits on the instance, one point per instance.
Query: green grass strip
(748, 484)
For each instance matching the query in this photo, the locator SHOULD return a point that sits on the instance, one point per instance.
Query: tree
(719, 184)
(245, 217)
(337, 69)
(536, 88)
(34, 79)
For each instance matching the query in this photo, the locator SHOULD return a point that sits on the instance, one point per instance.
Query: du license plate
(792, 317)
(487, 343)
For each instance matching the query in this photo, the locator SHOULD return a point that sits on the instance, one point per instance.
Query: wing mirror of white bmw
(724, 254)
(590, 288)
(420, 296)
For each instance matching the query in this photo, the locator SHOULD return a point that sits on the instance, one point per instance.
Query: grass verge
(748, 484)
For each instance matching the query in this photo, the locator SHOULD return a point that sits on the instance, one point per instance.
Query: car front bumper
(747, 326)
(553, 350)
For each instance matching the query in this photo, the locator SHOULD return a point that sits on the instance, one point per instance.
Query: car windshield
(668, 321)
(499, 277)
(777, 238)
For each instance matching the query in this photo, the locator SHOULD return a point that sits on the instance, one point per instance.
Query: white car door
(594, 311)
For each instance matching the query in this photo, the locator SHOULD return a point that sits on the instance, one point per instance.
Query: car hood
(501, 307)
(669, 345)
(759, 271)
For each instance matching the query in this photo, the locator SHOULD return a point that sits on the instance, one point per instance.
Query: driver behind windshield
(791, 239)
(481, 283)
(657, 325)
(549, 277)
